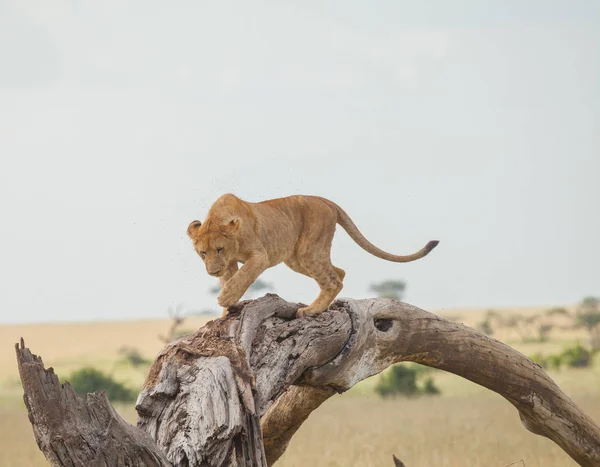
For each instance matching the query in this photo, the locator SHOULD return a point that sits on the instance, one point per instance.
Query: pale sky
(474, 123)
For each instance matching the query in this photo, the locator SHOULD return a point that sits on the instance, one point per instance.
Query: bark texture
(235, 392)
(72, 432)
(219, 381)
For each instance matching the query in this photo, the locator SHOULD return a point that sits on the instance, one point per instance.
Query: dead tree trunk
(73, 432)
(235, 392)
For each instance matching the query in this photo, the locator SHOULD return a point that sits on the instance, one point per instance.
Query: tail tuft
(431, 245)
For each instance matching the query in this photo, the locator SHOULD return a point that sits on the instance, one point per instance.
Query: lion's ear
(193, 228)
(231, 226)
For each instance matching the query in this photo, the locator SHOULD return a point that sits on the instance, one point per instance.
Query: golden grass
(466, 426)
(457, 431)
(443, 432)
(17, 444)
(69, 346)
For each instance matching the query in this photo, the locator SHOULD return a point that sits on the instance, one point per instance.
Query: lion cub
(297, 230)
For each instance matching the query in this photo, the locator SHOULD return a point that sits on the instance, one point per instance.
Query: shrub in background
(554, 361)
(401, 380)
(89, 379)
(574, 357)
(429, 387)
(540, 359)
(577, 357)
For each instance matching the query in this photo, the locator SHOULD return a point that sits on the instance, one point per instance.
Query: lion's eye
(219, 250)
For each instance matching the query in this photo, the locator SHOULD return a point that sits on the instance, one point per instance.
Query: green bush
(540, 359)
(429, 386)
(555, 361)
(401, 380)
(577, 357)
(91, 380)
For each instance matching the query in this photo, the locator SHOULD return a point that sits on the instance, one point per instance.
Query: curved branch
(236, 391)
(287, 414)
(391, 331)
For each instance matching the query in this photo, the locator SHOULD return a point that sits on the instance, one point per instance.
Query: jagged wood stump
(235, 392)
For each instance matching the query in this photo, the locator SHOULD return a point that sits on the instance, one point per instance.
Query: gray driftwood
(73, 432)
(235, 392)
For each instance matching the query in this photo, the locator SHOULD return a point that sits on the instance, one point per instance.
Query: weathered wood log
(72, 432)
(236, 391)
(220, 380)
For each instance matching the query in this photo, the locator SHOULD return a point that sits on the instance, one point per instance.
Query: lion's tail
(349, 226)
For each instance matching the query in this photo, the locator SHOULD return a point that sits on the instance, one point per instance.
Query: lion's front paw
(227, 297)
(307, 311)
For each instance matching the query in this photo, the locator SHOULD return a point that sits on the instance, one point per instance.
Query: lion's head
(215, 243)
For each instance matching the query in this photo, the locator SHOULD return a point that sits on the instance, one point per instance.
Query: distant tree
(133, 356)
(587, 316)
(544, 331)
(485, 326)
(177, 320)
(393, 289)
(589, 321)
(590, 303)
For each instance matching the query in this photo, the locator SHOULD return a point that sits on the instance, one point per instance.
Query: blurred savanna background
(475, 123)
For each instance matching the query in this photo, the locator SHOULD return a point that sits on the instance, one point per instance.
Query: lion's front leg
(236, 287)
(229, 273)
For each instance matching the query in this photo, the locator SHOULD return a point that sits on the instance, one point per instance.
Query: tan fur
(297, 230)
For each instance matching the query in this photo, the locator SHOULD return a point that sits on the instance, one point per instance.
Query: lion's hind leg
(312, 257)
(329, 279)
(340, 272)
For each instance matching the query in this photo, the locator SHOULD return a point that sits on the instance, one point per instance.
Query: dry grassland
(467, 426)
